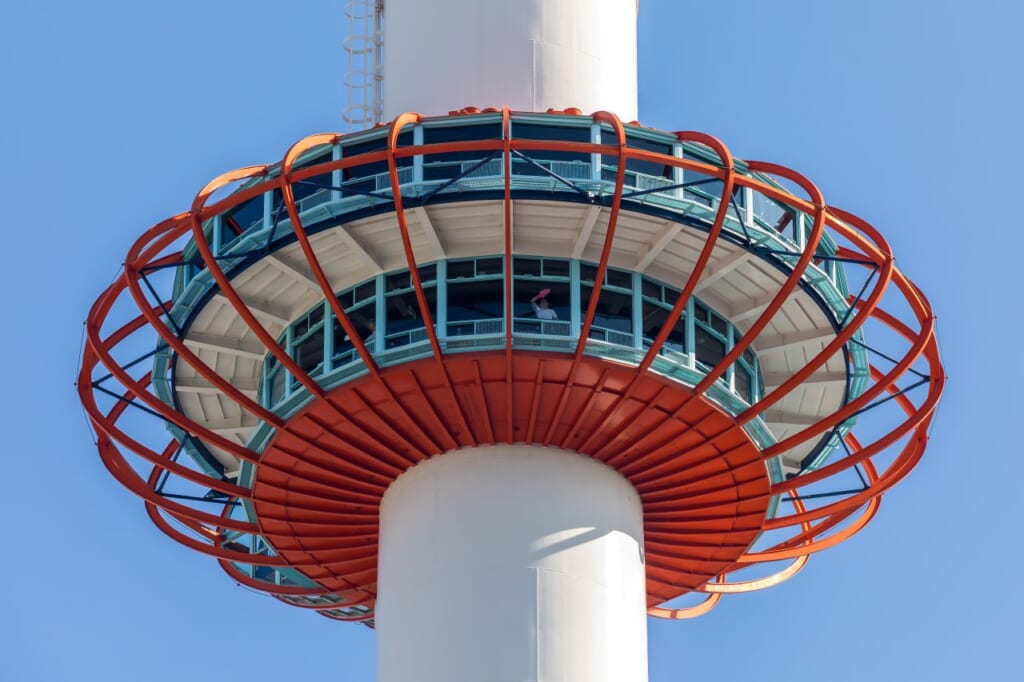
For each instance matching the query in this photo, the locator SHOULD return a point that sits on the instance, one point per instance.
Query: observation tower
(504, 380)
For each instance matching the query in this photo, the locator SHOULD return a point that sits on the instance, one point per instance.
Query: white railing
(476, 328)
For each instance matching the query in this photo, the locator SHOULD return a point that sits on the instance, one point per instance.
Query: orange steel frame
(700, 521)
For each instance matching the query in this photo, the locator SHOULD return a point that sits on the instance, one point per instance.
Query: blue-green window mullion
(336, 174)
(595, 159)
(575, 314)
(268, 209)
(691, 335)
(755, 380)
(215, 227)
(417, 161)
(677, 171)
(289, 379)
(730, 343)
(328, 338)
(381, 316)
(638, 311)
(441, 323)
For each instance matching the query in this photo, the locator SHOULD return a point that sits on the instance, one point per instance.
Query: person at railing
(541, 307)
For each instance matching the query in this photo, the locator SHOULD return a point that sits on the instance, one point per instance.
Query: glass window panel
(427, 273)
(316, 315)
(277, 386)
(403, 314)
(614, 310)
(399, 280)
(310, 186)
(588, 273)
(460, 133)
(539, 131)
(619, 278)
(709, 349)
(742, 382)
(769, 210)
(654, 317)
(364, 319)
(719, 325)
(365, 291)
(461, 270)
(700, 313)
(310, 352)
(556, 268)
(441, 172)
(526, 266)
(489, 266)
(651, 290)
(244, 216)
(474, 301)
(663, 170)
(699, 185)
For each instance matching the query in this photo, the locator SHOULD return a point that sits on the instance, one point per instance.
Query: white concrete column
(511, 563)
(442, 55)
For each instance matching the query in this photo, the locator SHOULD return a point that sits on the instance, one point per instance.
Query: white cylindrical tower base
(529, 54)
(511, 563)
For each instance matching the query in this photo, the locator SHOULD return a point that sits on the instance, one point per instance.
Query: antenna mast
(364, 77)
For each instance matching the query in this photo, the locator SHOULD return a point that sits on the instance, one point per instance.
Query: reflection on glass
(709, 349)
(654, 319)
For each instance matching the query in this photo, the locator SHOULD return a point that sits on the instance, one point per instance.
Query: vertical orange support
(506, 134)
(403, 225)
(725, 157)
(602, 268)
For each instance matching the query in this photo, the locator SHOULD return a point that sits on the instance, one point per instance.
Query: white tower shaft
(443, 55)
(511, 563)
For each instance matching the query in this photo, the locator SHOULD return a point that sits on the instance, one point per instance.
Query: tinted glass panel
(277, 387)
(475, 300)
(364, 320)
(403, 313)
(556, 268)
(619, 278)
(526, 266)
(719, 325)
(614, 310)
(461, 133)
(427, 273)
(365, 291)
(243, 217)
(649, 167)
(310, 352)
(489, 266)
(534, 131)
(399, 280)
(741, 380)
(461, 269)
(654, 319)
(710, 350)
(700, 312)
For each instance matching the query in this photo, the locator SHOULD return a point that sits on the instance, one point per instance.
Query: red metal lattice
(702, 481)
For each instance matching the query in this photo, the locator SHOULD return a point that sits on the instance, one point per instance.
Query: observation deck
(373, 295)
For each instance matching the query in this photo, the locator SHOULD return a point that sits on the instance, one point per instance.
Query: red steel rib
(319, 481)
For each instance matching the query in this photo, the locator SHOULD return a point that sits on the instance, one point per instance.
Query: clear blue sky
(115, 113)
